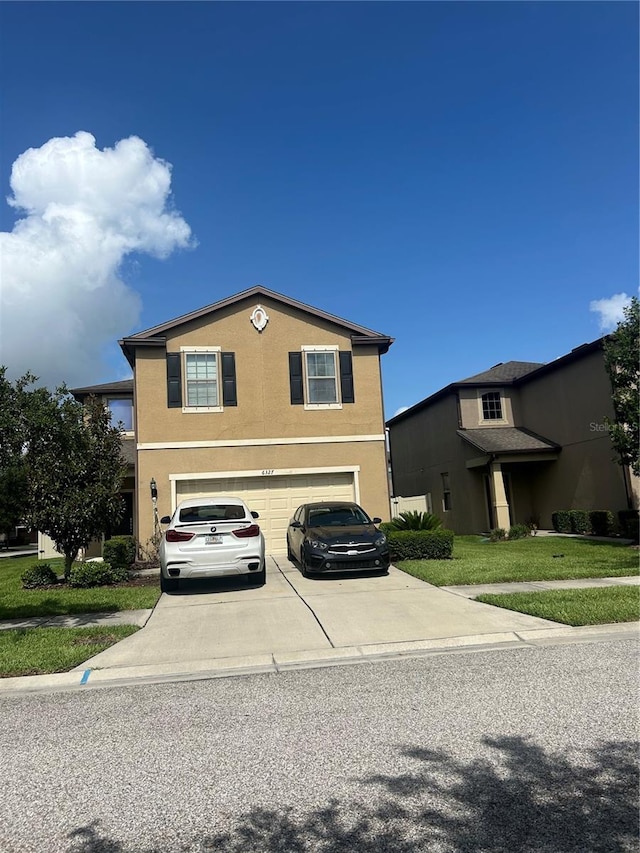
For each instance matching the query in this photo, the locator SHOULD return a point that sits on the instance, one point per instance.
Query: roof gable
(253, 293)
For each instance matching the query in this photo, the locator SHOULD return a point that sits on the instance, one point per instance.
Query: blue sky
(460, 176)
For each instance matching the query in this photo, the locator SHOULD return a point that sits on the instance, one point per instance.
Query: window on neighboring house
(321, 377)
(446, 492)
(201, 379)
(492, 406)
(121, 409)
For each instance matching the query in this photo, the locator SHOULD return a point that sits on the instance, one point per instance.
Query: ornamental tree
(74, 468)
(621, 361)
(13, 488)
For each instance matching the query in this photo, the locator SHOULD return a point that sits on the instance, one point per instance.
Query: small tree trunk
(68, 562)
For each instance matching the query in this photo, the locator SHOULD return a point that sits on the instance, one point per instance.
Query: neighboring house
(513, 444)
(259, 396)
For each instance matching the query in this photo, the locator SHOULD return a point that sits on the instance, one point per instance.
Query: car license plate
(212, 540)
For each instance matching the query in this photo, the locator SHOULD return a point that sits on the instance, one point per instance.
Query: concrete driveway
(292, 619)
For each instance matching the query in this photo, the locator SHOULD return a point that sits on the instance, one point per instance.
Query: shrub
(413, 520)
(96, 574)
(498, 534)
(579, 521)
(601, 521)
(519, 531)
(421, 544)
(120, 551)
(629, 523)
(561, 521)
(40, 574)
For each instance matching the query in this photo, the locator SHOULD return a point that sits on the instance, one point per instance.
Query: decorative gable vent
(259, 318)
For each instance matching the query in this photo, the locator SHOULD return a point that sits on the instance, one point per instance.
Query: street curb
(274, 664)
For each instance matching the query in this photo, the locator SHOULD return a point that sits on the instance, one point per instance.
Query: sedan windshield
(337, 516)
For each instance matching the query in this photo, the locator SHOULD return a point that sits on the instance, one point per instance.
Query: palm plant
(414, 520)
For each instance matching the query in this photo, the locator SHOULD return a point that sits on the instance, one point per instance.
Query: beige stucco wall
(264, 407)
(278, 459)
(264, 412)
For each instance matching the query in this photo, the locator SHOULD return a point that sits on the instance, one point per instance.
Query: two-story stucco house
(513, 444)
(259, 396)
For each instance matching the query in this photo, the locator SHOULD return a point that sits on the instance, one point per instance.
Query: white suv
(211, 537)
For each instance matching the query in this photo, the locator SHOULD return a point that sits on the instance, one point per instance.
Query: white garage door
(275, 498)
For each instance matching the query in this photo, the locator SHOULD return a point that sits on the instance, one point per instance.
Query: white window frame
(332, 348)
(482, 419)
(184, 352)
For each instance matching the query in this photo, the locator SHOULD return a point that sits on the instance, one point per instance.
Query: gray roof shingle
(504, 372)
(506, 440)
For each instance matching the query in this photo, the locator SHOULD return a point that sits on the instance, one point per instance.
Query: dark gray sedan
(336, 537)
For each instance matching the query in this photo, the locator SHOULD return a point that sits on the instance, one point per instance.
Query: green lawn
(534, 558)
(596, 606)
(36, 651)
(17, 603)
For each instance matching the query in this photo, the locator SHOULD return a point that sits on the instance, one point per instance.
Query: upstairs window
(321, 377)
(201, 373)
(201, 379)
(121, 409)
(492, 406)
(322, 387)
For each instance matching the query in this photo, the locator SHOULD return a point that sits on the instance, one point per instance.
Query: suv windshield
(211, 512)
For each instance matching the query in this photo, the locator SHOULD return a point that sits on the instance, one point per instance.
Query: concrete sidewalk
(295, 622)
(141, 617)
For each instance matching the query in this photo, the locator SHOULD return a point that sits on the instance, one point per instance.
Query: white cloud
(610, 310)
(62, 300)
(400, 411)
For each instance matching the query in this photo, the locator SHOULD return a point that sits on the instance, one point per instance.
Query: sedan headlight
(380, 541)
(317, 543)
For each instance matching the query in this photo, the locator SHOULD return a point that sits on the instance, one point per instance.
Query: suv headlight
(317, 543)
(380, 541)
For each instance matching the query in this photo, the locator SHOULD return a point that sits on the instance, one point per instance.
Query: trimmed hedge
(579, 521)
(420, 544)
(629, 523)
(96, 574)
(40, 574)
(601, 522)
(561, 521)
(120, 551)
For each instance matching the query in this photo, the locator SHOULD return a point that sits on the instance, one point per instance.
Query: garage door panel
(274, 498)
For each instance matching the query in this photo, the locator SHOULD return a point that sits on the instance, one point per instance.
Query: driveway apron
(216, 620)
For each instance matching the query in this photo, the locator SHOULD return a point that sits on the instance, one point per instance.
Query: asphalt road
(514, 750)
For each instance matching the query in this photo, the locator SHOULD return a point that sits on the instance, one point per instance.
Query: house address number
(267, 471)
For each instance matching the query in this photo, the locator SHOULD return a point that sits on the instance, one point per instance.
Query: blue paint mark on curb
(85, 676)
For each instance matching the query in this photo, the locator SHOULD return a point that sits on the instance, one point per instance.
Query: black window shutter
(295, 378)
(174, 382)
(346, 377)
(229, 393)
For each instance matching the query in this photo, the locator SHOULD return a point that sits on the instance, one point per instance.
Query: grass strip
(536, 558)
(36, 651)
(594, 606)
(18, 603)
